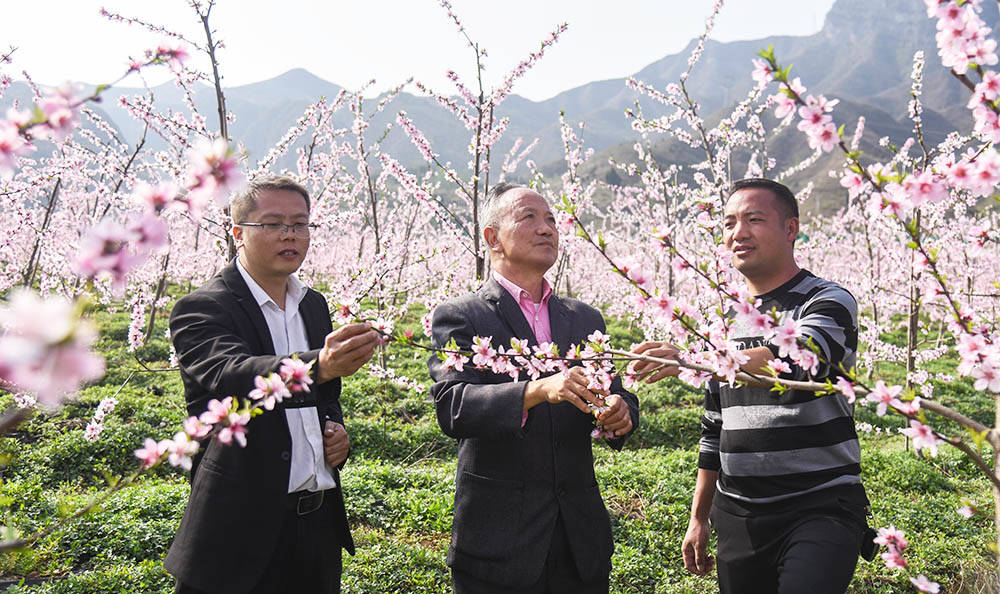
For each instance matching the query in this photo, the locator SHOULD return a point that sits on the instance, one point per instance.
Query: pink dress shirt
(536, 314)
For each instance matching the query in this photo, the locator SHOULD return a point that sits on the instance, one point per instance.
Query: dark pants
(808, 544)
(307, 557)
(559, 576)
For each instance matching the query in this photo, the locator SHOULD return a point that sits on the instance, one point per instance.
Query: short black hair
(786, 199)
(492, 207)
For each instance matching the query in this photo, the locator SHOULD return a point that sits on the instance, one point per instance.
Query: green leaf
(840, 131)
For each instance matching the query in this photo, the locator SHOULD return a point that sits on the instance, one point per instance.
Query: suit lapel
(312, 317)
(508, 310)
(559, 324)
(239, 289)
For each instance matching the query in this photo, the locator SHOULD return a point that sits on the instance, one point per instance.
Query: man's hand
(617, 418)
(335, 444)
(695, 548)
(346, 349)
(570, 386)
(652, 371)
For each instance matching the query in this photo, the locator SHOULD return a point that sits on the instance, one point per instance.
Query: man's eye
(272, 227)
(299, 227)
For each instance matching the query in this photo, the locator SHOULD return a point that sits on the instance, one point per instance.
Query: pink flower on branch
(923, 436)
(883, 396)
(45, 346)
(922, 584)
(295, 373)
(149, 455)
(213, 172)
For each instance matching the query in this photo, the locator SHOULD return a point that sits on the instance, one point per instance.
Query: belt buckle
(307, 504)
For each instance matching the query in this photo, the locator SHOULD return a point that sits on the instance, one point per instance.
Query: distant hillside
(862, 56)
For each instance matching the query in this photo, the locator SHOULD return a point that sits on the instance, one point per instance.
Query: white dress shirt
(309, 470)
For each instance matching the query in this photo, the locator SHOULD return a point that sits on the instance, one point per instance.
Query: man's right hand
(570, 386)
(652, 371)
(346, 349)
(695, 548)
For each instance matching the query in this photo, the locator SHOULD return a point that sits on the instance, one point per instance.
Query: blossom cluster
(226, 419)
(46, 346)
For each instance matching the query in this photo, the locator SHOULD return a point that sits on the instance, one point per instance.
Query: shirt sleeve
(711, 429)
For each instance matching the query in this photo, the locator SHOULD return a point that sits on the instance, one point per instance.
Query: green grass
(399, 486)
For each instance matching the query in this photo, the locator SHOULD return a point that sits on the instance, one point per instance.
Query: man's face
(756, 231)
(268, 254)
(526, 235)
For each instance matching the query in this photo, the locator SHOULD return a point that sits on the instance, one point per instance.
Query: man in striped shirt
(791, 511)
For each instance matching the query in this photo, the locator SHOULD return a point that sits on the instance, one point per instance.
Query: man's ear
(490, 235)
(237, 232)
(792, 228)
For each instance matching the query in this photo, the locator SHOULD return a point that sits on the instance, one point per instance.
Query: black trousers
(809, 544)
(307, 557)
(559, 576)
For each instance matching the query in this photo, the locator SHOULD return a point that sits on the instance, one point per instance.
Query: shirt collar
(517, 292)
(294, 289)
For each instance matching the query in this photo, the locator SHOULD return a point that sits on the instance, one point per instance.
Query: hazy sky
(350, 41)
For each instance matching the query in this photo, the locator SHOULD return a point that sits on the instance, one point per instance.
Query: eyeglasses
(297, 229)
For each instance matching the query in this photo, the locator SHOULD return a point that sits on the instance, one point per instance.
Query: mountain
(863, 56)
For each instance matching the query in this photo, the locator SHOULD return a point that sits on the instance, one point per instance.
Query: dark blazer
(513, 482)
(233, 516)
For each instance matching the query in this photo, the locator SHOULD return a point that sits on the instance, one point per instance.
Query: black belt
(304, 502)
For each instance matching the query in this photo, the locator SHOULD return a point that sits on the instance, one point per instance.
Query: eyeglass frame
(282, 228)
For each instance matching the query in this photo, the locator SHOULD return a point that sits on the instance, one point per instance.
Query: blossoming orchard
(94, 221)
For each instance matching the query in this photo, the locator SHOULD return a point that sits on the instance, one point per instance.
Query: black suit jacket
(233, 516)
(513, 482)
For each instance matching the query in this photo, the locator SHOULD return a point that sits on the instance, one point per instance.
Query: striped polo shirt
(769, 446)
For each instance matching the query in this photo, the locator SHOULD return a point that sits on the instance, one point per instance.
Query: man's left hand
(617, 418)
(335, 444)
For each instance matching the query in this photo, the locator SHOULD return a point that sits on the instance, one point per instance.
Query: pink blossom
(216, 411)
(694, 377)
(784, 106)
(779, 366)
(213, 173)
(483, 351)
(454, 361)
(965, 511)
(155, 198)
(845, 387)
(923, 436)
(854, 183)
(180, 449)
(149, 232)
(174, 54)
(807, 360)
(922, 584)
(269, 390)
(12, 145)
(894, 558)
(104, 252)
(987, 377)
(891, 537)
(195, 428)
(92, 430)
(59, 109)
(149, 455)
(762, 72)
(45, 347)
(924, 186)
(235, 430)
(883, 396)
(786, 337)
(295, 374)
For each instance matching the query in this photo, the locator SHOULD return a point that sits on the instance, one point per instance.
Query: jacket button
(286, 456)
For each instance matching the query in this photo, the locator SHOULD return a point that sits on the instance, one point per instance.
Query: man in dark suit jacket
(528, 512)
(243, 530)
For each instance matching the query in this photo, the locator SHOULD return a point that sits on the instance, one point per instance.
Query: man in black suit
(528, 512)
(268, 517)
